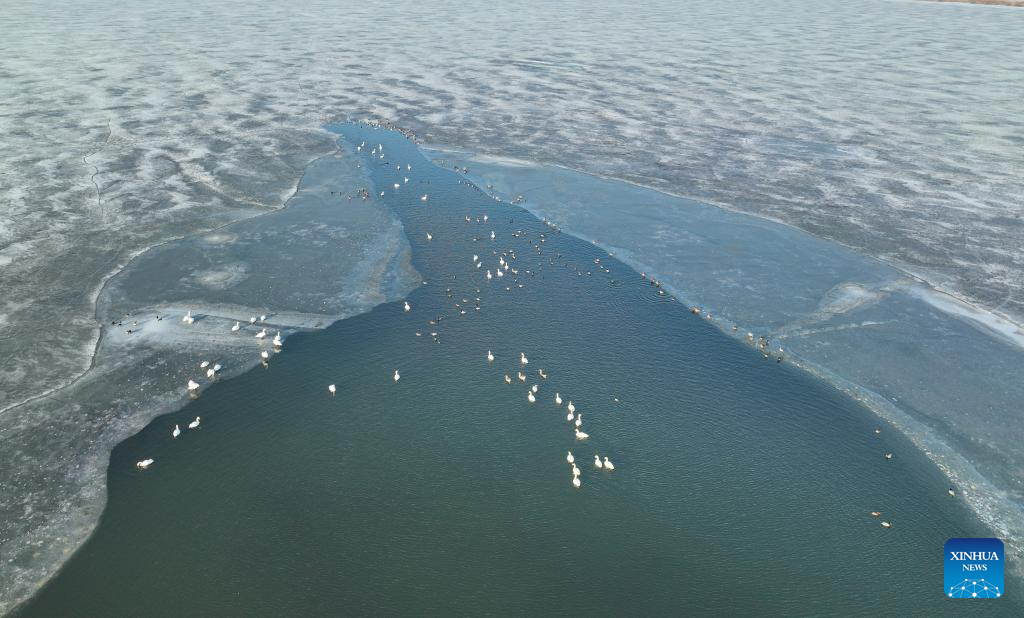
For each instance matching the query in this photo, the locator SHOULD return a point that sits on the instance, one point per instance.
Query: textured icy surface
(893, 127)
(353, 255)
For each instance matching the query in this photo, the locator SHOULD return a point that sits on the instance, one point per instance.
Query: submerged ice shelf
(330, 254)
(946, 374)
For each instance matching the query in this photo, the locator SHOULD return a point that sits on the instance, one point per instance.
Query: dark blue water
(742, 486)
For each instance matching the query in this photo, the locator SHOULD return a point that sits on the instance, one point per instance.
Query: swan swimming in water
(876, 513)
(188, 319)
(521, 376)
(579, 419)
(543, 376)
(490, 357)
(408, 307)
(424, 198)
(332, 389)
(951, 492)
(523, 359)
(569, 458)
(217, 367)
(533, 388)
(176, 432)
(396, 376)
(576, 482)
(568, 417)
(204, 364)
(261, 334)
(571, 408)
(236, 327)
(887, 524)
(430, 236)
(145, 463)
(210, 374)
(265, 355)
(558, 399)
(580, 435)
(252, 319)
(492, 234)
(508, 380)
(193, 385)
(530, 397)
(608, 464)
(194, 423)
(597, 462)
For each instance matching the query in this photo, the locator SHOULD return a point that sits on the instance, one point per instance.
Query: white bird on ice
(193, 385)
(237, 326)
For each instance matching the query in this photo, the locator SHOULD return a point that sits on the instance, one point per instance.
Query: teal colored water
(742, 486)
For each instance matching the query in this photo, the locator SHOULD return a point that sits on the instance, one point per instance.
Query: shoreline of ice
(57, 444)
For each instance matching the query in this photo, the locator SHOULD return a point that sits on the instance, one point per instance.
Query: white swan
(397, 377)
(145, 463)
(261, 334)
(523, 359)
(210, 374)
(193, 385)
(597, 462)
(521, 376)
(558, 399)
(265, 355)
(252, 319)
(608, 465)
(571, 408)
(424, 198)
(204, 364)
(543, 376)
(533, 388)
(408, 307)
(569, 458)
(188, 319)
(490, 357)
(887, 524)
(568, 417)
(263, 318)
(194, 423)
(581, 435)
(499, 273)
(508, 380)
(236, 327)
(430, 236)
(332, 389)
(579, 419)
(216, 367)
(492, 234)
(176, 432)
(530, 397)
(576, 482)
(575, 470)
(489, 275)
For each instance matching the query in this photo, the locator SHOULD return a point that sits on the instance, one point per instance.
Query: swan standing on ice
(176, 432)
(332, 389)
(597, 462)
(569, 458)
(261, 334)
(490, 357)
(188, 319)
(277, 340)
(608, 464)
(216, 367)
(408, 307)
(236, 327)
(204, 364)
(194, 423)
(193, 385)
(397, 377)
(145, 463)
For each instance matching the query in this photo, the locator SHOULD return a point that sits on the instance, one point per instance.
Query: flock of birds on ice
(502, 269)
